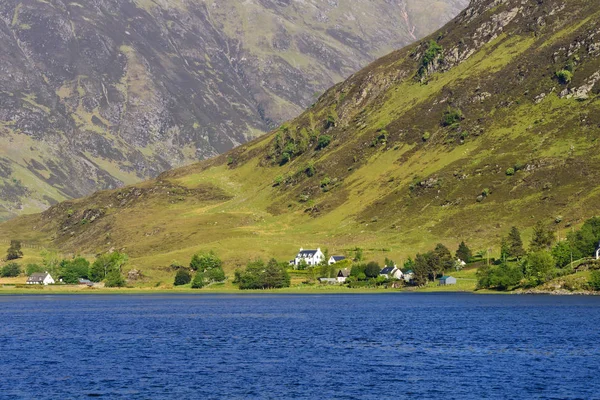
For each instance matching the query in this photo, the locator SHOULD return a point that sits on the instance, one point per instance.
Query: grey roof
(338, 258)
(387, 270)
(443, 278)
(37, 277)
(307, 253)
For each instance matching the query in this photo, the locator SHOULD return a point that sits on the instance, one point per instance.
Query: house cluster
(44, 278)
(314, 257)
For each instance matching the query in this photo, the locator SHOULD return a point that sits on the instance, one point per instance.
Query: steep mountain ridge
(492, 121)
(97, 94)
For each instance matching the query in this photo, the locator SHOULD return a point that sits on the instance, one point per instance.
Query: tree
(539, 267)
(357, 269)
(205, 261)
(562, 253)
(515, 243)
(198, 282)
(408, 265)
(182, 277)
(33, 268)
(10, 270)
(444, 257)
(421, 270)
(464, 253)
(389, 263)
(71, 270)
(106, 264)
(358, 255)
(51, 262)
(260, 276)
(372, 270)
(542, 238)
(14, 251)
(501, 277)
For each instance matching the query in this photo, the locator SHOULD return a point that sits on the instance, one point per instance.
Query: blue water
(418, 346)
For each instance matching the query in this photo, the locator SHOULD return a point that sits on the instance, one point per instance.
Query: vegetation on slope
(487, 137)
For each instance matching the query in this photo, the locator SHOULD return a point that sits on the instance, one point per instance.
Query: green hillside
(492, 121)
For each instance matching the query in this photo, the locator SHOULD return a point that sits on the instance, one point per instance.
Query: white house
(598, 252)
(409, 275)
(342, 275)
(40, 278)
(311, 257)
(334, 259)
(391, 272)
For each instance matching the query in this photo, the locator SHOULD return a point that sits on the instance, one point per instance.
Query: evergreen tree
(444, 257)
(542, 238)
(372, 270)
(198, 282)
(464, 253)
(421, 270)
(182, 277)
(515, 243)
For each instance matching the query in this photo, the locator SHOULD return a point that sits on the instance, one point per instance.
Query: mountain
(492, 121)
(95, 94)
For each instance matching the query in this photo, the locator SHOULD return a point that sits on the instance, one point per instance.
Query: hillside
(457, 137)
(97, 94)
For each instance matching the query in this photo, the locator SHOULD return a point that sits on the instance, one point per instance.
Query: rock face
(95, 94)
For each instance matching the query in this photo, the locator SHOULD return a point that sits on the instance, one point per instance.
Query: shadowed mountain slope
(97, 94)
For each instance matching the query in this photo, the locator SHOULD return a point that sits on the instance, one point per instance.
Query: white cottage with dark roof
(311, 257)
(40, 278)
(334, 259)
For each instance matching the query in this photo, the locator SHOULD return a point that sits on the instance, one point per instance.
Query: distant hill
(490, 122)
(97, 94)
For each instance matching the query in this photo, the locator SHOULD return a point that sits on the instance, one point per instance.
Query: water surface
(444, 346)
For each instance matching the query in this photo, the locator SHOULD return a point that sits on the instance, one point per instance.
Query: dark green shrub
(451, 116)
(564, 76)
(323, 141)
(372, 270)
(510, 171)
(198, 282)
(310, 169)
(182, 277)
(426, 136)
(10, 270)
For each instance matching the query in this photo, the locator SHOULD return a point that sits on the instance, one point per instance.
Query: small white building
(342, 275)
(311, 257)
(334, 259)
(598, 252)
(391, 273)
(409, 275)
(40, 278)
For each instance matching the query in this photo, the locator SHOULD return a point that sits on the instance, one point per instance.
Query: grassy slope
(237, 211)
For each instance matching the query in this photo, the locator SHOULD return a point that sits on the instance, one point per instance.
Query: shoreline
(45, 291)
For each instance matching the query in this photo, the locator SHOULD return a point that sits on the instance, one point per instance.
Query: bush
(451, 116)
(205, 261)
(260, 276)
(431, 54)
(71, 270)
(198, 282)
(323, 141)
(10, 270)
(510, 171)
(426, 136)
(594, 281)
(564, 76)
(115, 279)
(182, 277)
(215, 275)
(310, 169)
(107, 264)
